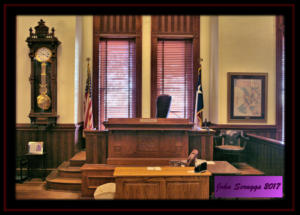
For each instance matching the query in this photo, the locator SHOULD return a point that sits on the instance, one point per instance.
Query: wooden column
(96, 146)
(203, 141)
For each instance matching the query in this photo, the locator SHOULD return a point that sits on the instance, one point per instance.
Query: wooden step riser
(137, 162)
(77, 162)
(63, 186)
(68, 174)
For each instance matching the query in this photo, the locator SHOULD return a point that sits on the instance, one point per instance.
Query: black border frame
(10, 10)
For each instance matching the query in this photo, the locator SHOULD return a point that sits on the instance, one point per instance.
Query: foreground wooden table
(161, 183)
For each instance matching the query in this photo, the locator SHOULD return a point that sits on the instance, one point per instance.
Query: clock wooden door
(43, 78)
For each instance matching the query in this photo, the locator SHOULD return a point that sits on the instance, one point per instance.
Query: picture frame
(35, 147)
(247, 97)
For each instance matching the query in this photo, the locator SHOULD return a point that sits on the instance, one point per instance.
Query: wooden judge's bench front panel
(147, 142)
(156, 147)
(140, 142)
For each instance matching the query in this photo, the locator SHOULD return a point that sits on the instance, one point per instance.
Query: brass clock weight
(43, 78)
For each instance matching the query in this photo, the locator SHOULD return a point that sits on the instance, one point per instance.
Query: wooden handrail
(266, 139)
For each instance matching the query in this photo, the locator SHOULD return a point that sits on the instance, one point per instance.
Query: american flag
(199, 100)
(88, 110)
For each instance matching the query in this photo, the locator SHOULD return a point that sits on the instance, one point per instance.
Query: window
(117, 81)
(116, 67)
(175, 75)
(175, 56)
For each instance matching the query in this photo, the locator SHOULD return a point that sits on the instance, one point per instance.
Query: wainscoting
(259, 130)
(263, 151)
(60, 142)
(265, 154)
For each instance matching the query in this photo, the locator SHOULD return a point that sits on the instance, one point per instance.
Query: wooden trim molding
(240, 126)
(261, 130)
(26, 126)
(266, 139)
(279, 73)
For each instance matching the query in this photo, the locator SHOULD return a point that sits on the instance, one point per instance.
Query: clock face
(43, 54)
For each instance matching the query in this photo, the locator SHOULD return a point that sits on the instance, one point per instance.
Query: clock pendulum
(43, 100)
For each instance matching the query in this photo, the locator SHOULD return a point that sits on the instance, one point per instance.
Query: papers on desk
(210, 162)
(193, 171)
(154, 168)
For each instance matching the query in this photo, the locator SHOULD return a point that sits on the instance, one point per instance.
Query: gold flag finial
(200, 66)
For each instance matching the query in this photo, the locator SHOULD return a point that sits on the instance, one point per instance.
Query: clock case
(42, 38)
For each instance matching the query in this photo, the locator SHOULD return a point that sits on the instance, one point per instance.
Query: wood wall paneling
(260, 130)
(96, 146)
(266, 155)
(121, 24)
(59, 142)
(94, 175)
(203, 143)
(154, 144)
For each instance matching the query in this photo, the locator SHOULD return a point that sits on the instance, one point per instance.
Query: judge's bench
(140, 142)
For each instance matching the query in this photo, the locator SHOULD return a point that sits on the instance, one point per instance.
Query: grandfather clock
(43, 78)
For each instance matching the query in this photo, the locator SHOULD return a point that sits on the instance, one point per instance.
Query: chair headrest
(163, 104)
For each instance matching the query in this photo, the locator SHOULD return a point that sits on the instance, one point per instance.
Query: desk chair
(163, 103)
(36, 155)
(23, 163)
(232, 147)
(105, 191)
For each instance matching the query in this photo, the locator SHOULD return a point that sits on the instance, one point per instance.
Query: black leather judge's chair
(163, 103)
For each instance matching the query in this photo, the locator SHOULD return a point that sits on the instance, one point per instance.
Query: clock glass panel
(43, 54)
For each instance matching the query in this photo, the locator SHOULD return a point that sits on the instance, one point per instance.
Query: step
(246, 169)
(78, 159)
(67, 171)
(54, 181)
(142, 161)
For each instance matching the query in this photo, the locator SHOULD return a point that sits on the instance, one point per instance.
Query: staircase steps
(68, 171)
(68, 175)
(78, 159)
(56, 182)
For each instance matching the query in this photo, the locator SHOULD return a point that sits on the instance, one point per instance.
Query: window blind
(175, 75)
(117, 82)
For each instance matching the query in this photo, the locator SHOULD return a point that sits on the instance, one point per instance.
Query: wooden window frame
(279, 75)
(168, 32)
(116, 30)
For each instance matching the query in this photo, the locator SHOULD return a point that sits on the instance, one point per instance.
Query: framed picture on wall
(247, 97)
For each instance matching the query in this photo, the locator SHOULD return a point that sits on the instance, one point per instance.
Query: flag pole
(200, 112)
(87, 85)
(198, 103)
